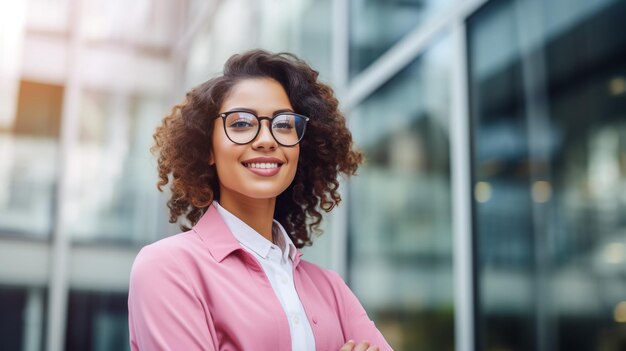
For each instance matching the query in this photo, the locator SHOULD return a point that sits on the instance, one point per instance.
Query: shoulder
(165, 256)
(165, 248)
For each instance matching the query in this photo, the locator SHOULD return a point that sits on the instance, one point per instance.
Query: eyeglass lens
(243, 127)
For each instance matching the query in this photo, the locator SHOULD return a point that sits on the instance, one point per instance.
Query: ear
(211, 160)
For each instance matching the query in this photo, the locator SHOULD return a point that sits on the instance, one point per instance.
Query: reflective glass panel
(113, 196)
(151, 25)
(548, 96)
(30, 116)
(29, 138)
(400, 239)
(302, 27)
(13, 303)
(313, 39)
(48, 15)
(375, 26)
(97, 321)
(22, 318)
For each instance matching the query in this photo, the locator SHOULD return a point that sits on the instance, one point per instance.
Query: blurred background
(490, 214)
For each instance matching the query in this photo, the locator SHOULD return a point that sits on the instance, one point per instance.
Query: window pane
(28, 160)
(22, 318)
(376, 26)
(313, 35)
(48, 15)
(13, 303)
(549, 126)
(150, 25)
(113, 196)
(97, 321)
(302, 27)
(400, 240)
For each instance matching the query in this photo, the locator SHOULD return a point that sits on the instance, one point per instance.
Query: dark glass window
(22, 317)
(12, 303)
(548, 97)
(375, 26)
(97, 321)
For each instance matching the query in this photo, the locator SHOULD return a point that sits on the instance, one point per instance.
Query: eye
(283, 125)
(240, 123)
(283, 122)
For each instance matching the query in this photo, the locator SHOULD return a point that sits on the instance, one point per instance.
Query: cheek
(294, 158)
(296, 153)
(223, 160)
(220, 145)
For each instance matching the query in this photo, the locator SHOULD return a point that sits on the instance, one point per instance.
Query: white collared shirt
(277, 262)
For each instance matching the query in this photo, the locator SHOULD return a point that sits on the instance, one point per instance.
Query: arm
(164, 312)
(355, 322)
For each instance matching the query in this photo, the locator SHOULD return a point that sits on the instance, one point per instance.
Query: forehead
(264, 95)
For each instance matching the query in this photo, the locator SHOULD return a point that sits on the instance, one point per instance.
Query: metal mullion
(461, 192)
(340, 68)
(405, 51)
(57, 298)
(538, 124)
(394, 59)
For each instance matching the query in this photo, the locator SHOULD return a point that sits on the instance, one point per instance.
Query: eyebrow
(257, 113)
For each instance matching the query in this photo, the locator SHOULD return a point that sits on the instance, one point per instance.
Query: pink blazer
(200, 290)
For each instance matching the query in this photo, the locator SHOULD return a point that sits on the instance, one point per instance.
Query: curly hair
(184, 138)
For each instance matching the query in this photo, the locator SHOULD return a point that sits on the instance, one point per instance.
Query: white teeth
(261, 165)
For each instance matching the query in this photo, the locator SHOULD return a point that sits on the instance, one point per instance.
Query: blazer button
(314, 319)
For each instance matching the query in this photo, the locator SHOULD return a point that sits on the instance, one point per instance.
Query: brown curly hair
(184, 138)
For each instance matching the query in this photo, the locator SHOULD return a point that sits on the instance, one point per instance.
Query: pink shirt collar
(254, 241)
(219, 239)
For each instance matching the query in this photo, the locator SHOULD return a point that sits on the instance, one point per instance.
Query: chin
(258, 189)
(263, 193)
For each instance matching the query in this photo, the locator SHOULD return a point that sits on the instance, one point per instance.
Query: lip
(264, 160)
(264, 172)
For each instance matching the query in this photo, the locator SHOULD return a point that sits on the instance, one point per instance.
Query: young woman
(252, 156)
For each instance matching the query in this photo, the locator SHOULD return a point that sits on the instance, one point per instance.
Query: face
(261, 169)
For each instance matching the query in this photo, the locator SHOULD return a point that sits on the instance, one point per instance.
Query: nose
(264, 140)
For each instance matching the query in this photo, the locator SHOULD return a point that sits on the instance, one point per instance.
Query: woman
(251, 156)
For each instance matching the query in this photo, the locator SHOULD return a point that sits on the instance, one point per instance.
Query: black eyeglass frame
(224, 115)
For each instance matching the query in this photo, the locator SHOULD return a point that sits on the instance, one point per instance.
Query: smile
(263, 169)
(262, 165)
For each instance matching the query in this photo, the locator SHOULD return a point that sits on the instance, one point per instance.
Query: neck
(257, 213)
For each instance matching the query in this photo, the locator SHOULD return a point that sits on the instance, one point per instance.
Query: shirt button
(284, 280)
(296, 319)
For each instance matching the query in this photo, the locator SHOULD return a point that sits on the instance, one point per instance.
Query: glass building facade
(489, 214)
(548, 116)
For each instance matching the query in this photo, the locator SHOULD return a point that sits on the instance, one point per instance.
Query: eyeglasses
(243, 126)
